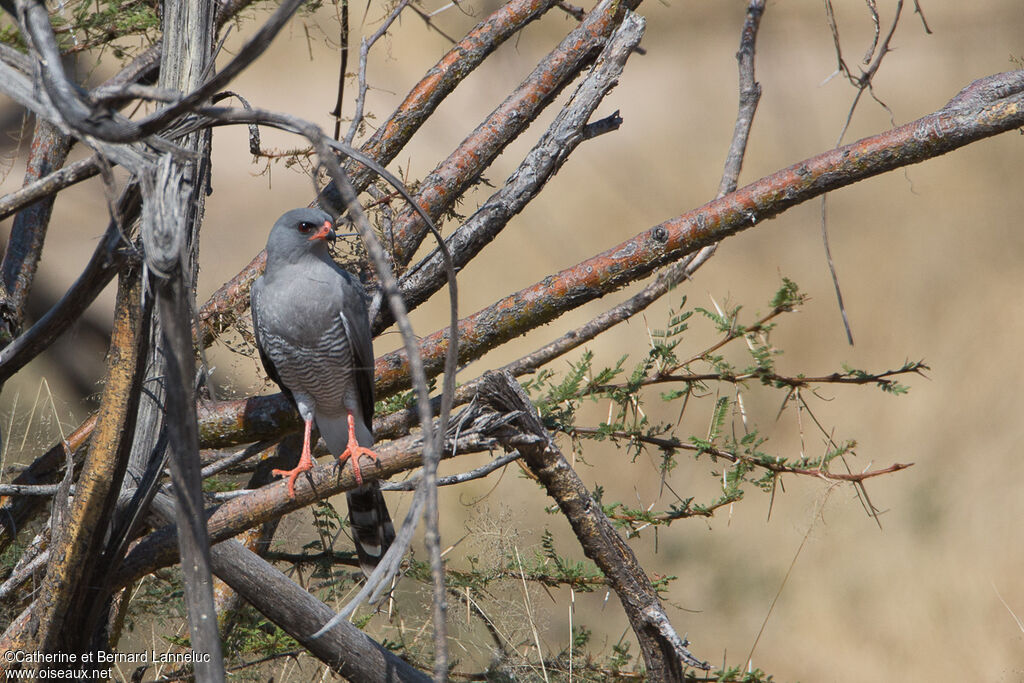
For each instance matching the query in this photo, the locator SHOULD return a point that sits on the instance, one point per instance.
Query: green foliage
(9, 33)
(114, 25)
(882, 382)
(219, 485)
(788, 297)
(332, 580)
(251, 635)
(662, 374)
(402, 400)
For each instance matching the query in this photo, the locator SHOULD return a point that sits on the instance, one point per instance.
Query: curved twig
(231, 299)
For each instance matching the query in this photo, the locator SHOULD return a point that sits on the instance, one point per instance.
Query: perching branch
(158, 549)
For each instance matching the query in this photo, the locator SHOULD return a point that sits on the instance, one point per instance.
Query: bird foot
(305, 462)
(353, 452)
(292, 475)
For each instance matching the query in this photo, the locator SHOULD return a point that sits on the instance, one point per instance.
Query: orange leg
(354, 450)
(305, 462)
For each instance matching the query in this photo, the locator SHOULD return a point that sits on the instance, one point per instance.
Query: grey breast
(321, 370)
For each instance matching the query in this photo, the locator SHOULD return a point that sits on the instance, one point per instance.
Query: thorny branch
(930, 136)
(778, 468)
(985, 108)
(665, 653)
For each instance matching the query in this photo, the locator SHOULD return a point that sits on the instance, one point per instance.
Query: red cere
(323, 233)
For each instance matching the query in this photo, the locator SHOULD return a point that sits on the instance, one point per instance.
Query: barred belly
(322, 371)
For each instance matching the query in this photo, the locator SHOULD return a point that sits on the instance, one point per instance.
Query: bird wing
(268, 364)
(355, 318)
(372, 528)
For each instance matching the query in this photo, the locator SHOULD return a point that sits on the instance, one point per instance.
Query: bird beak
(326, 232)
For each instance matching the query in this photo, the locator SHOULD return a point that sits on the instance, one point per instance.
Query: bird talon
(354, 450)
(292, 475)
(305, 462)
(352, 453)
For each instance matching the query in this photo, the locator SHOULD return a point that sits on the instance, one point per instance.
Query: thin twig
(364, 53)
(670, 444)
(343, 63)
(478, 473)
(862, 83)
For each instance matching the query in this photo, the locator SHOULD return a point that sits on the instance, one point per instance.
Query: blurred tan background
(929, 259)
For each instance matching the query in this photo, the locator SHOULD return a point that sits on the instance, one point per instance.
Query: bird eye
(306, 228)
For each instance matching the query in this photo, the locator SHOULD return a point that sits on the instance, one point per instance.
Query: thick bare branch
(49, 150)
(106, 260)
(346, 649)
(49, 185)
(74, 544)
(930, 136)
(542, 162)
(446, 183)
(159, 548)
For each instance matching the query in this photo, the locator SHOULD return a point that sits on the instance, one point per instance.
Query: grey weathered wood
(175, 202)
(665, 652)
(349, 651)
(345, 648)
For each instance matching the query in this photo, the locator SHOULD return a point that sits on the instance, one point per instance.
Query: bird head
(298, 232)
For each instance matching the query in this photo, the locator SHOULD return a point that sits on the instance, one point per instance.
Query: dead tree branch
(938, 133)
(24, 247)
(446, 183)
(542, 162)
(347, 650)
(73, 546)
(106, 261)
(665, 653)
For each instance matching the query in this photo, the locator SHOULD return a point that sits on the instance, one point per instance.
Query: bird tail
(372, 529)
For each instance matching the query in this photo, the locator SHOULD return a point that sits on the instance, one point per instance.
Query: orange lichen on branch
(451, 177)
(925, 138)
